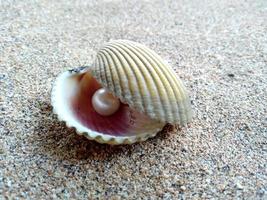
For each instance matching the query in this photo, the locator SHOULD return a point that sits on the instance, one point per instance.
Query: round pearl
(104, 102)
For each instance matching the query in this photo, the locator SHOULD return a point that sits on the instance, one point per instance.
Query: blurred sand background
(218, 48)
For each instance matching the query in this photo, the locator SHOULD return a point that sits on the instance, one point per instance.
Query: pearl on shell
(104, 102)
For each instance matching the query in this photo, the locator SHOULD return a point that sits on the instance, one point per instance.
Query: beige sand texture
(218, 48)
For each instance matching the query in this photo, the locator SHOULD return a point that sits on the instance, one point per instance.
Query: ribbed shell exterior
(140, 78)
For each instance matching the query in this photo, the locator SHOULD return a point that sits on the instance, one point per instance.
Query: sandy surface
(219, 49)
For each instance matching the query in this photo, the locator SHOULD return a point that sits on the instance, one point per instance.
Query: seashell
(127, 95)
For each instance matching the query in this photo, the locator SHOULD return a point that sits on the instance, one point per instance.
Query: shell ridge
(153, 63)
(182, 93)
(146, 83)
(146, 69)
(112, 75)
(179, 103)
(139, 76)
(101, 60)
(108, 78)
(167, 83)
(120, 70)
(99, 75)
(180, 87)
(123, 80)
(170, 71)
(156, 84)
(172, 84)
(136, 95)
(109, 62)
(96, 70)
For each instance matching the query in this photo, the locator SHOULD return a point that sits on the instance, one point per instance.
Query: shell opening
(73, 101)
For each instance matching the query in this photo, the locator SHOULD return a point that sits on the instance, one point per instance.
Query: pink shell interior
(125, 122)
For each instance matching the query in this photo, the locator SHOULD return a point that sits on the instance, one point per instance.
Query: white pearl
(104, 102)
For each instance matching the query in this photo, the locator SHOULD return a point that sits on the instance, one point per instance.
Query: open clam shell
(142, 79)
(151, 95)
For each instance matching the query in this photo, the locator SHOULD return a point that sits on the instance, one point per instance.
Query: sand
(218, 48)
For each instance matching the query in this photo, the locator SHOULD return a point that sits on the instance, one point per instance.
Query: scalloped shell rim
(90, 134)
